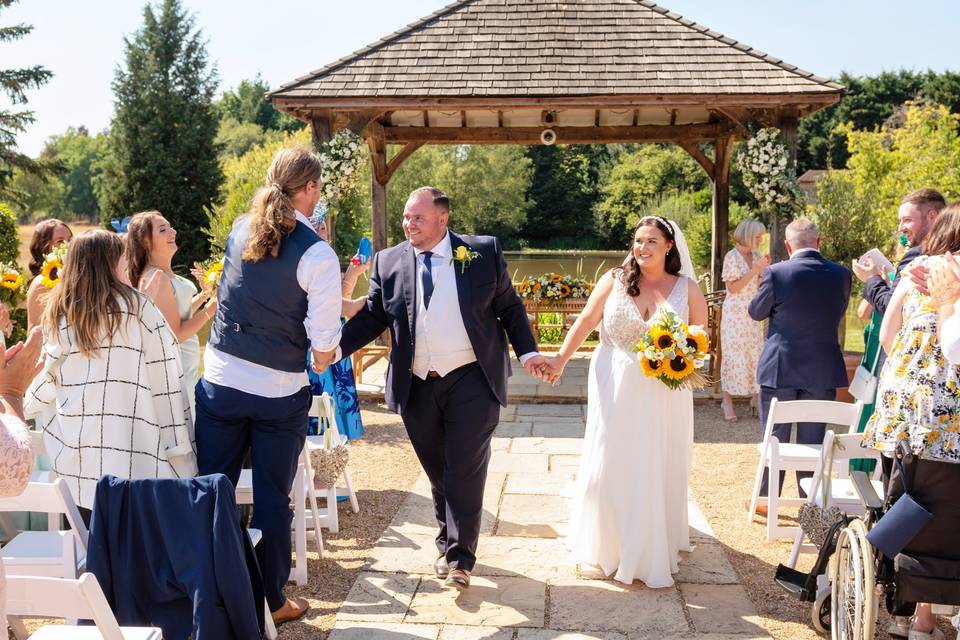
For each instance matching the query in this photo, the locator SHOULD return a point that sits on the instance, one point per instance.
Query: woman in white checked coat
(110, 398)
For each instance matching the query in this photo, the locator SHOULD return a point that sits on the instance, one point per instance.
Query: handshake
(545, 369)
(321, 360)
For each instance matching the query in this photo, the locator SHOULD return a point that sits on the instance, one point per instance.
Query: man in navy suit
(450, 307)
(804, 299)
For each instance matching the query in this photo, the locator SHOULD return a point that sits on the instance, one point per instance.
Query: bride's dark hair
(630, 271)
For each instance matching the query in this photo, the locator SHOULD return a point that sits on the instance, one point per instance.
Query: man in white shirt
(450, 307)
(943, 282)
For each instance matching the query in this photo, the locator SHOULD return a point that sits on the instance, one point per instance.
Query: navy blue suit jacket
(171, 553)
(804, 299)
(491, 309)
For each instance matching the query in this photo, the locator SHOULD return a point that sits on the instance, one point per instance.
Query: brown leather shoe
(458, 579)
(441, 567)
(292, 609)
(761, 508)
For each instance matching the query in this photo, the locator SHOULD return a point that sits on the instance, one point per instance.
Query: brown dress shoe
(761, 508)
(458, 579)
(292, 609)
(441, 567)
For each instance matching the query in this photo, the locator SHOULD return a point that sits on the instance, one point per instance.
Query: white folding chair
(302, 488)
(56, 554)
(833, 474)
(73, 599)
(324, 409)
(776, 456)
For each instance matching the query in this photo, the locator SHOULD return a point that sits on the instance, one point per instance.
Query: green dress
(871, 342)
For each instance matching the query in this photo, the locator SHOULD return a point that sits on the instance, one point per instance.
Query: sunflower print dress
(917, 397)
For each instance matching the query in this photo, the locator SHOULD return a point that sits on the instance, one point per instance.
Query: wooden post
(788, 129)
(321, 132)
(721, 208)
(378, 186)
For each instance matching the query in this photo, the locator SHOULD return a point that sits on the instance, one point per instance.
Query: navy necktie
(426, 278)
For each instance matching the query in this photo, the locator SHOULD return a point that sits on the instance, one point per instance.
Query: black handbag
(900, 523)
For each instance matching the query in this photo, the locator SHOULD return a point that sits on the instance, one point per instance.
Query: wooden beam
(426, 118)
(734, 117)
(697, 154)
(721, 208)
(636, 117)
(565, 135)
(398, 159)
(320, 130)
(499, 118)
(378, 186)
(787, 124)
(673, 117)
(463, 118)
(665, 101)
(596, 119)
(378, 151)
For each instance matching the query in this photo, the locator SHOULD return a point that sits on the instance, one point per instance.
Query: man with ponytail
(279, 292)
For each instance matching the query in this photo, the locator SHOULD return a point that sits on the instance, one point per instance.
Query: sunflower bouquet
(212, 270)
(553, 287)
(52, 266)
(671, 351)
(13, 288)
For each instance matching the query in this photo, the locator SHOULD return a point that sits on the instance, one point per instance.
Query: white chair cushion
(70, 632)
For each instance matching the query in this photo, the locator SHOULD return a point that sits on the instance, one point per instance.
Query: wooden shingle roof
(504, 48)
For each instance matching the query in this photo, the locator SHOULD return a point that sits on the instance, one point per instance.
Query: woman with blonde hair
(741, 338)
(279, 292)
(151, 242)
(110, 396)
(47, 236)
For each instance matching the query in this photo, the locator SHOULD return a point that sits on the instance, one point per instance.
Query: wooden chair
(73, 599)
(776, 456)
(835, 455)
(365, 357)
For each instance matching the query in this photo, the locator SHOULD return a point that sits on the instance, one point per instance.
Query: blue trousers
(229, 424)
(807, 432)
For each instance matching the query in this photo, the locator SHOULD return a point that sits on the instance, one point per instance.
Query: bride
(630, 506)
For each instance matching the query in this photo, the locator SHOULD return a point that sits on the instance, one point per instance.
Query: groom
(450, 307)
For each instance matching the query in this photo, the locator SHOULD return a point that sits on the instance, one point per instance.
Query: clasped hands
(321, 360)
(545, 369)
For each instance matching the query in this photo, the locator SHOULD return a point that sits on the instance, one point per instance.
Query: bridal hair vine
(464, 255)
(663, 221)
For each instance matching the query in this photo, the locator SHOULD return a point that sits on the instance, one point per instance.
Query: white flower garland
(341, 158)
(764, 166)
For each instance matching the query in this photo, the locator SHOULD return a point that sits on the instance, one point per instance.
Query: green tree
(565, 188)
(487, 186)
(248, 103)
(82, 157)
(40, 197)
(163, 150)
(235, 138)
(14, 84)
(643, 177)
(9, 236)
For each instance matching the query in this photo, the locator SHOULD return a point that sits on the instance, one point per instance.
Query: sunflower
(697, 338)
(564, 291)
(662, 338)
(11, 281)
(212, 274)
(651, 368)
(556, 277)
(50, 272)
(678, 368)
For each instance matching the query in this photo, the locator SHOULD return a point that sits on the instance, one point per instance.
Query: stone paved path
(525, 587)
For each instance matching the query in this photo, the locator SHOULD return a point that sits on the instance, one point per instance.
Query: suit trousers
(450, 421)
(807, 432)
(229, 424)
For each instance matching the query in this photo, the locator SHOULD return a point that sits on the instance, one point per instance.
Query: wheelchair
(850, 576)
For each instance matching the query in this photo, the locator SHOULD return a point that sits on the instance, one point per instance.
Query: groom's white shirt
(318, 274)
(442, 343)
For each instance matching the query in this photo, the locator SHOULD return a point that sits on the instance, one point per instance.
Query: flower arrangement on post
(671, 352)
(341, 157)
(553, 287)
(766, 170)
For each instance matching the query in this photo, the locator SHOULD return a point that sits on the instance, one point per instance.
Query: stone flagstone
(490, 601)
(525, 579)
(594, 605)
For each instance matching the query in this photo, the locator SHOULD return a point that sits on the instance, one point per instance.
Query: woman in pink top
(18, 366)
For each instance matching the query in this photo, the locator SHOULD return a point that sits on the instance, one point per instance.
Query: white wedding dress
(630, 504)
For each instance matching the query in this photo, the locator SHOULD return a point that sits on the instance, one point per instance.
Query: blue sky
(81, 41)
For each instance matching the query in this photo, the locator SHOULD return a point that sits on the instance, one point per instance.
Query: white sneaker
(899, 626)
(936, 634)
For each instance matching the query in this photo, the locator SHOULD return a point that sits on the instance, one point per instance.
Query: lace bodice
(622, 324)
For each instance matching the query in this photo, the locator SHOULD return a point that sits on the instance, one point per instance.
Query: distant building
(808, 182)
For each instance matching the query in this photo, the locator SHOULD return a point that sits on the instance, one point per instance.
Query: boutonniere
(464, 255)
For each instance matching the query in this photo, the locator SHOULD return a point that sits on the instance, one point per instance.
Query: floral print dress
(917, 398)
(741, 337)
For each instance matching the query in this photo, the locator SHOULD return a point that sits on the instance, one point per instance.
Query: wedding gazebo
(550, 71)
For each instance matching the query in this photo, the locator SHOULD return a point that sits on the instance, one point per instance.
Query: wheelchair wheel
(853, 597)
(820, 612)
